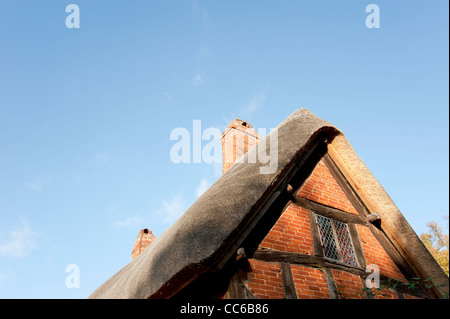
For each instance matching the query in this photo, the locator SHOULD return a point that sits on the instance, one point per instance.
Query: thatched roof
(215, 226)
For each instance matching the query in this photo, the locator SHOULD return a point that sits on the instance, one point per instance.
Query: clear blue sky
(86, 114)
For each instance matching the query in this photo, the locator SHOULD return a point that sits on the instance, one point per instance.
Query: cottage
(315, 228)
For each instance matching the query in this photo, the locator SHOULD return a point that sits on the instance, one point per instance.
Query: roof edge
(380, 202)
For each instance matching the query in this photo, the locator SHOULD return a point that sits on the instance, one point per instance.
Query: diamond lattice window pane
(345, 243)
(336, 240)
(327, 238)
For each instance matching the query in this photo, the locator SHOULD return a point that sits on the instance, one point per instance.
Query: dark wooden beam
(326, 265)
(372, 217)
(331, 283)
(329, 211)
(270, 255)
(317, 243)
(288, 281)
(237, 288)
(357, 245)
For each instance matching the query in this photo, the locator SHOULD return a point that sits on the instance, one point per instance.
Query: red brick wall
(292, 233)
(309, 283)
(349, 286)
(265, 280)
(375, 254)
(386, 293)
(322, 188)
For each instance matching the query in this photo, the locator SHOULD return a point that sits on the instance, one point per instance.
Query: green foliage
(438, 245)
(393, 284)
(390, 284)
(339, 290)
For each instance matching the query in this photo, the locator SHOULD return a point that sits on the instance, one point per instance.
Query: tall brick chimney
(237, 139)
(144, 239)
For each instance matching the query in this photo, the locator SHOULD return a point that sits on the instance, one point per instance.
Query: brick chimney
(144, 239)
(237, 139)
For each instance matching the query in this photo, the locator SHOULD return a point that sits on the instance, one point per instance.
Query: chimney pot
(237, 139)
(144, 239)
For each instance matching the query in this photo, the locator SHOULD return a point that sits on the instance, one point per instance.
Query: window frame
(352, 232)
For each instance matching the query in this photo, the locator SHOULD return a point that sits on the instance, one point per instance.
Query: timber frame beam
(326, 265)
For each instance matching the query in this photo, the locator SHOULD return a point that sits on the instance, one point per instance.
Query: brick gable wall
(292, 233)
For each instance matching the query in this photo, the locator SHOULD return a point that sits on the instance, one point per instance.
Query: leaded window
(336, 240)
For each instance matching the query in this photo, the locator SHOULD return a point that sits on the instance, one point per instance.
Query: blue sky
(86, 114)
